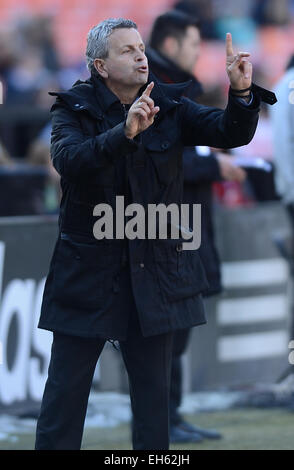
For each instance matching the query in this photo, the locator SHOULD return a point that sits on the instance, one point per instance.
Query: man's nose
(140, 56)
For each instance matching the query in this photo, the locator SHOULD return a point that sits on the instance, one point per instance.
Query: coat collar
(86, 95)
(80, 97)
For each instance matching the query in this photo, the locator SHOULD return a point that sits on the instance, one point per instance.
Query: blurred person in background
(204, 11)
(28, 61)
(271, 12)
(26, 72)
(282, 118)
(42, 60)
(235, 16)
(8, 51)
(174, 48)
(212, 13)
(29, 184)
(257, 156)
(283, 144)
(38, 155)
(28, 80)
(38, 33)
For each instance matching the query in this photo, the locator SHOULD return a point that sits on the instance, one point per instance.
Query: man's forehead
(125, 37)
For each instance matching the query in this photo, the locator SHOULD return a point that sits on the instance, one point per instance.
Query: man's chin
(137, 81)
(141, 80)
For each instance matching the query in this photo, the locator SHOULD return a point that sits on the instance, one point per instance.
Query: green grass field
(242, 429)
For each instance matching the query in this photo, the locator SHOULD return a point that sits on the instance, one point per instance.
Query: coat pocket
(166, 156)
(83, 273)
(180, 272)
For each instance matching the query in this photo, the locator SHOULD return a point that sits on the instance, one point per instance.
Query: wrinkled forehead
(122, 37)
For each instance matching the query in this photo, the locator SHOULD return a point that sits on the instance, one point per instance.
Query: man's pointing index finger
(148, 89)
(229, 45)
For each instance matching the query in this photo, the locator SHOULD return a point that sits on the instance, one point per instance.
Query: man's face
(126, 63)
(185, 52)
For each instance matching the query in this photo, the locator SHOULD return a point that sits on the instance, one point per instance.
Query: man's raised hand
(238, 67)
(141, 114)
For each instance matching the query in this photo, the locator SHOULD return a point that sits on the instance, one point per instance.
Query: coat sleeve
(75, 155)
(233, 127)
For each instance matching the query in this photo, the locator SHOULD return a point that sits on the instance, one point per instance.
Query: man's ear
(170, 46)
(101, 68)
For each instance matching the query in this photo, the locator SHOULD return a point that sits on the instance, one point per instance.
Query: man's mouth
(143, 69)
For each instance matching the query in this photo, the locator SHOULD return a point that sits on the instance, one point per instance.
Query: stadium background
(244, 352)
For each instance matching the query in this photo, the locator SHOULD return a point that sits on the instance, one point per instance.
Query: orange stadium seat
(73, 18)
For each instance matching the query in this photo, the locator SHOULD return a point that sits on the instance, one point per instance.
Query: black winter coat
(97, 162)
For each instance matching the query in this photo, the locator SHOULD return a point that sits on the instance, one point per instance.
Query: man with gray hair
(121, 133)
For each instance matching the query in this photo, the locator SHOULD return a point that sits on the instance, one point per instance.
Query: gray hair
(97, 39)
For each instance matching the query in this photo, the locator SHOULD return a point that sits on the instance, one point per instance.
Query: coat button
(179, 247)
(142, 265)
(165, 145)
(77, 105)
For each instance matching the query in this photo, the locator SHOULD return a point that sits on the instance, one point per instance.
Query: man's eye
(126, 50)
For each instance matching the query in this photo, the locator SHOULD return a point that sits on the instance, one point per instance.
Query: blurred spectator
(25, 69)
(282, 116)
(234, 16)
(8, 51)
(257, 157)
(203, 10)
(37, 32)
(39, 156)
(283, 143)
(27, 80)
(271, 12)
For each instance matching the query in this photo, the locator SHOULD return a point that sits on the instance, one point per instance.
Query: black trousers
(71, 369)
(180, 343)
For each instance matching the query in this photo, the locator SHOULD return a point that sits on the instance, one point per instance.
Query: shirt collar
(107, 98)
